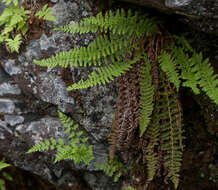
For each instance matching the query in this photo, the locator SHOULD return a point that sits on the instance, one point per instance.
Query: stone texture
(200, 14)
(30, 96)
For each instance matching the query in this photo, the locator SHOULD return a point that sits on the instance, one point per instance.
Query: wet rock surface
(199, 14)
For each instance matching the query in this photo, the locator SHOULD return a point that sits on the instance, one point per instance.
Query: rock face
(31, 95)
(200, 14)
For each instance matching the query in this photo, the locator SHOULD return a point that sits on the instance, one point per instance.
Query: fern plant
(76, 149)
(150, 72)
(4, 175)
(45, 14)
(113, 168)
(15, 20)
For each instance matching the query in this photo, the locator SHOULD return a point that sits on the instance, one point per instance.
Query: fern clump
(114, 48)
(150, 71)
(4, 175)
(113, 169)
(15, 20)
(76, 149)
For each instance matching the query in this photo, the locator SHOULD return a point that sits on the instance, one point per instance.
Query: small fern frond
(8, 2)
(113, 168)
(153, 134)
(117, 23)
(146, 98)
(47, 144)
(76, 149)
(189, 68)
(130, 188)
(208, 80)
(14, 44)
(104, 75)
(3, 165)
(168, 65)
(45, 14)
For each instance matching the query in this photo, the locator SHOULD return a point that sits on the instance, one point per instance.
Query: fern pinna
(151, 66)
(76, 149)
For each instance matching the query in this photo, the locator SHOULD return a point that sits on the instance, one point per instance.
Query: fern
(76, 150)
(4, 175)
(3, 165)
(117, 23)
(116, 46)
(154, 112)
(104, 75)
(15, 19)
(130, 188)
(208, 80)
(153, 135)
(195, 71)
(8, 2)
(113, 168)
(92, 55)
(146, 98)
(171, 132)
(168, 65)
(14, 44)
(45, 14)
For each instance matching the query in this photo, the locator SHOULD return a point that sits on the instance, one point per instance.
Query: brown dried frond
(128, 111)
(113, 137)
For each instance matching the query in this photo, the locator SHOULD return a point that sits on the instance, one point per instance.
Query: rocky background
(31, 95)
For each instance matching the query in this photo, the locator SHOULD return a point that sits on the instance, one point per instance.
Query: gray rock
(54, 1)
(199, 14)
(7, 106)
(13, 120)
(53, 90)
(4, 77)
(7, 88)
(3, 128)
(12, 68)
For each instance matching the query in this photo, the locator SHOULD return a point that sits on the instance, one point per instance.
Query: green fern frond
(3, 165)
(47, 144)
(171, 132)
(8, 2)
(45, 14)
(130, 188)
(102, 47)
(14, 44)
(77, 153)
(189, 68)
(153, 134)
(113, 168)
(117, 23)
(196, 72)
(168, 65)
(13, 16)
(208, 80)
(146, 97)
(104, 75)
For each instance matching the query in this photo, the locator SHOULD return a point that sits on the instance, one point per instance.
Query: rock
(200, 14)
(7, 88)
(30, 96)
